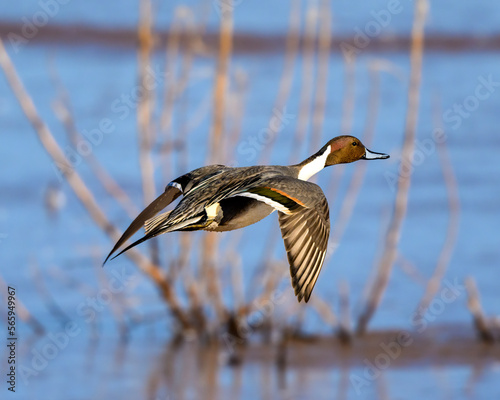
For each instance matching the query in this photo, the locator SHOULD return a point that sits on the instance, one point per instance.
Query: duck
(219, 198)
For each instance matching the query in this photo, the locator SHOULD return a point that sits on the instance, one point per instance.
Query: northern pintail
(220, 198)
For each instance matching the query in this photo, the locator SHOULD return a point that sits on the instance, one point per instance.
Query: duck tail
(153, 224)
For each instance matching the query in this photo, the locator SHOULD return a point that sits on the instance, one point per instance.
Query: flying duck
(220, 198)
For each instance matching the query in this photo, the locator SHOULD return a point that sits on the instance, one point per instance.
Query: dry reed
(81, 190)
(210, 273)
(377, 288)
(323, 64)
(349, 201)
(292, 46)
(348, 103)
(307, 82)
(62, 110)
(474, 304)
(202, 285)
(452, 230)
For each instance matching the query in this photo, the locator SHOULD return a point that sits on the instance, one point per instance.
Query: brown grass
(379, 285)
(202, 262)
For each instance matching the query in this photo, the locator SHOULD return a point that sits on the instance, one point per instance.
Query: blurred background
(103, 103)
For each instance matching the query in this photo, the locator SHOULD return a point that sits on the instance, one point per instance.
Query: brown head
(347, 149)
(339, 150)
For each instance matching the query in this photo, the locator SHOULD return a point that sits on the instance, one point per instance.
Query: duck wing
(305, 226)
(305, 234)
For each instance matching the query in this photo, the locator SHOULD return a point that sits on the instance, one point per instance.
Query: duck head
(339, 150)
(347, 149)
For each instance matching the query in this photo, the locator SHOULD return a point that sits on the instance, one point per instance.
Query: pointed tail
(170, 194)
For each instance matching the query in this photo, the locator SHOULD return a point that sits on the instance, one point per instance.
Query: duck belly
(238, 212)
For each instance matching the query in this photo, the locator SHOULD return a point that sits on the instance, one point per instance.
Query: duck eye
(354, 143)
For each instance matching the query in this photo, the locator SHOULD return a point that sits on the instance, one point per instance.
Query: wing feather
(305, 226)
(306, 245)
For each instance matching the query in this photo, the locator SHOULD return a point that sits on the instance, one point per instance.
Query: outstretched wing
(305, 226)
(305, 234)
(172, 191)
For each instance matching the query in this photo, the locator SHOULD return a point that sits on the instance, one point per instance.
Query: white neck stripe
(314, 166)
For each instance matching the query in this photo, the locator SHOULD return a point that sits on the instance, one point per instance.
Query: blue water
(65, 254)
(447, 16)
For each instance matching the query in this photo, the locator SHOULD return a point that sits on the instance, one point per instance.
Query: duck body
(220, 198)
(224, 203)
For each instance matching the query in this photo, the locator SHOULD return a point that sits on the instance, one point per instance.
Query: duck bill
(371, 155)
